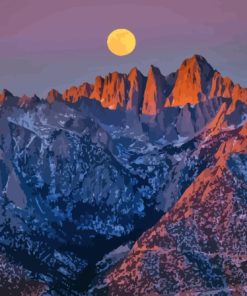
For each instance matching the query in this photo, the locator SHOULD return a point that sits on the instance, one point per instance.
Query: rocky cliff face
(85, 173)
(4, 95)
(194, 82)
(154, 95)
(137, 84)
(74, 93)
(221, 86)
(114, 91)
(53, 95)
(97, 88)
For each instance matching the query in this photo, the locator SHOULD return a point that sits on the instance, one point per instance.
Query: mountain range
(132, 185)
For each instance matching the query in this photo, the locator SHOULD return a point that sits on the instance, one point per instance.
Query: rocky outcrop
(53, 95)
(74, 93)
(27, 101)
(97, 88)
(154, 95)
(136, 88)
(221, 86)
(192, 83)
(131, 92)
(115, 91)
(239, 93)
(4, 95)
(224, 87)
(120, 90)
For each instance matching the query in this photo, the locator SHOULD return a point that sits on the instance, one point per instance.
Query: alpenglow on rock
(132, 185)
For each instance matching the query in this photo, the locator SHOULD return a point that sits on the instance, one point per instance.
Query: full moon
(121, 42)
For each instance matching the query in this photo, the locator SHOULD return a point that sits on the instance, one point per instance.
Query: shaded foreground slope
(199, 246)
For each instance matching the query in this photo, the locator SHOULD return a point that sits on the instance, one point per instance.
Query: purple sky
(59, 43)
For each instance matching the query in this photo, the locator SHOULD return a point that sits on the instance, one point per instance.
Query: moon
(121, 42)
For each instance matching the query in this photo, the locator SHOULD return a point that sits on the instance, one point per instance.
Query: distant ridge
(195, 81)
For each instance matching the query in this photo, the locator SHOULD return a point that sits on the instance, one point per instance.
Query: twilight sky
(59, 43)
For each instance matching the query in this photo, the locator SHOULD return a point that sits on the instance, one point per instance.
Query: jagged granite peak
(154, 94)
(53, 95)
(134, 72)
(137, 82)
(126, 91)
(24, 100)
(97, 88)
(73, 94)
(4, 94)
(115, 90)
(192, 82)
(221, 86)
(28, 101)
(239, 93)
(8, 99)
(225, 88)
(85, 89)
